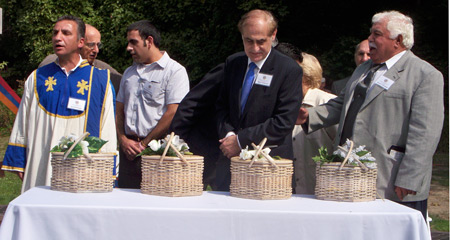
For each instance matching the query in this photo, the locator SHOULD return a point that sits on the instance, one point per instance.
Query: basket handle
(267, 156)
(75, 143)
(258, 150)
(169, 144)
(348, 155)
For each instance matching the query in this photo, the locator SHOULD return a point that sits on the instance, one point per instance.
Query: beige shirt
(306, 146)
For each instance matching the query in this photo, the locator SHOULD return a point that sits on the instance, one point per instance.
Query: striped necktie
(359, 95)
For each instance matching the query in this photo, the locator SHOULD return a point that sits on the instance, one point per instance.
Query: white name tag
(76, 104)
(264, 79)
(384, 82)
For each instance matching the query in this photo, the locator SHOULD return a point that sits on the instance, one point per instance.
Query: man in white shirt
(150, 92)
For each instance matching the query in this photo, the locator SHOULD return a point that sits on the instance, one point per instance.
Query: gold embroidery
(83, 86)
(50, 82)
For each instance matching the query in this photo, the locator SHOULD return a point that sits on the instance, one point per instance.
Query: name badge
(264, 80)
(384, 82)
(76, 104)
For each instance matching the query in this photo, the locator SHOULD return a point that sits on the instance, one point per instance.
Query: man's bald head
(92, 44)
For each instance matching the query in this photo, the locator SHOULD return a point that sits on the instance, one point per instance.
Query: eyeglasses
(91, 45)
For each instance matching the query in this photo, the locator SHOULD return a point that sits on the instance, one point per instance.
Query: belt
(135, 138)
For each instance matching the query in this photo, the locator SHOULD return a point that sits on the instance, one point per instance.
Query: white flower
(249, 154)
(177, 142)
(360, 148)
(246, 154)
(72, 137)
(266, 150)
(154, 145)
(84, 145)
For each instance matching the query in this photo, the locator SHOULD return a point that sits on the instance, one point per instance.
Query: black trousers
(223, 174)
(130, 172)
(418, 205)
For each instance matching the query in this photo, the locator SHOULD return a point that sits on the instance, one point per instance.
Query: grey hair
(397, 24)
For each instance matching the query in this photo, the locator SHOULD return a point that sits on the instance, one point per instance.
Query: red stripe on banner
(9, 89)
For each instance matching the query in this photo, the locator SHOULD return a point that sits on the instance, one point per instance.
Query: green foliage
(324, 157)
(7, 122)
(95, 144)
(200, 34)
(160, 151)
(3, 65)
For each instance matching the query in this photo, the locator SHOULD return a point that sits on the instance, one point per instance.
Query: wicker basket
(172, 177)
(82, 175)
(261, 180)
(346, 183)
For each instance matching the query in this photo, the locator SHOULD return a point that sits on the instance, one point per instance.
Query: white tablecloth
(41, 213)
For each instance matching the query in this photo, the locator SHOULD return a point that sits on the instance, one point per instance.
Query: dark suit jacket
(339, 85)
(195, 123)
(270, 111)
(194, 119)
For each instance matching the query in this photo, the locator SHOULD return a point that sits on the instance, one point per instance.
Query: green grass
(440, 176)
(441, 169)
(439, 224)
(9, 187)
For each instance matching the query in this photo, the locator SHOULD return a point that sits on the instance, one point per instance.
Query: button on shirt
(146, 90)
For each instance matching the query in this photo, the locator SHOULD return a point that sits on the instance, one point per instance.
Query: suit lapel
(238, 79)
(349, 93)
(257, 91)
(393, 73)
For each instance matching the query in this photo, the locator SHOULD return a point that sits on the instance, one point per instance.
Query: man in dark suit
(260, 96)
(400, 113)
(361, 55)
(195, 123)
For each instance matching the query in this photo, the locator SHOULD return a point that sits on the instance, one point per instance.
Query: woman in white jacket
(306, 146)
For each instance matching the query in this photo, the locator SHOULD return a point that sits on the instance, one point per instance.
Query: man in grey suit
(401, 115)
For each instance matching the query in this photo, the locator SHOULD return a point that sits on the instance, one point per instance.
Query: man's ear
(81, 43)
(274, 34)
(149, 41)
(399, 41)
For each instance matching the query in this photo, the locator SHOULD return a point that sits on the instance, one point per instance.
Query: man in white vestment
(65, 97)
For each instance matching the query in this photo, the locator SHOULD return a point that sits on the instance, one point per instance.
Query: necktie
(359, 96)
(247, 86)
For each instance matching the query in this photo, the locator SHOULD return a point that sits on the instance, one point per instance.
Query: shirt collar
(64, 70)
(393, 60)
(162, 62)
(260, 63)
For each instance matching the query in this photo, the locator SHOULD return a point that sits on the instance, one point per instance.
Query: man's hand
(402, 192)
(302, 116)
(131, 148)
(230, 146)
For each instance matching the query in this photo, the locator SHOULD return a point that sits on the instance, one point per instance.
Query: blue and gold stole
(53, 88)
